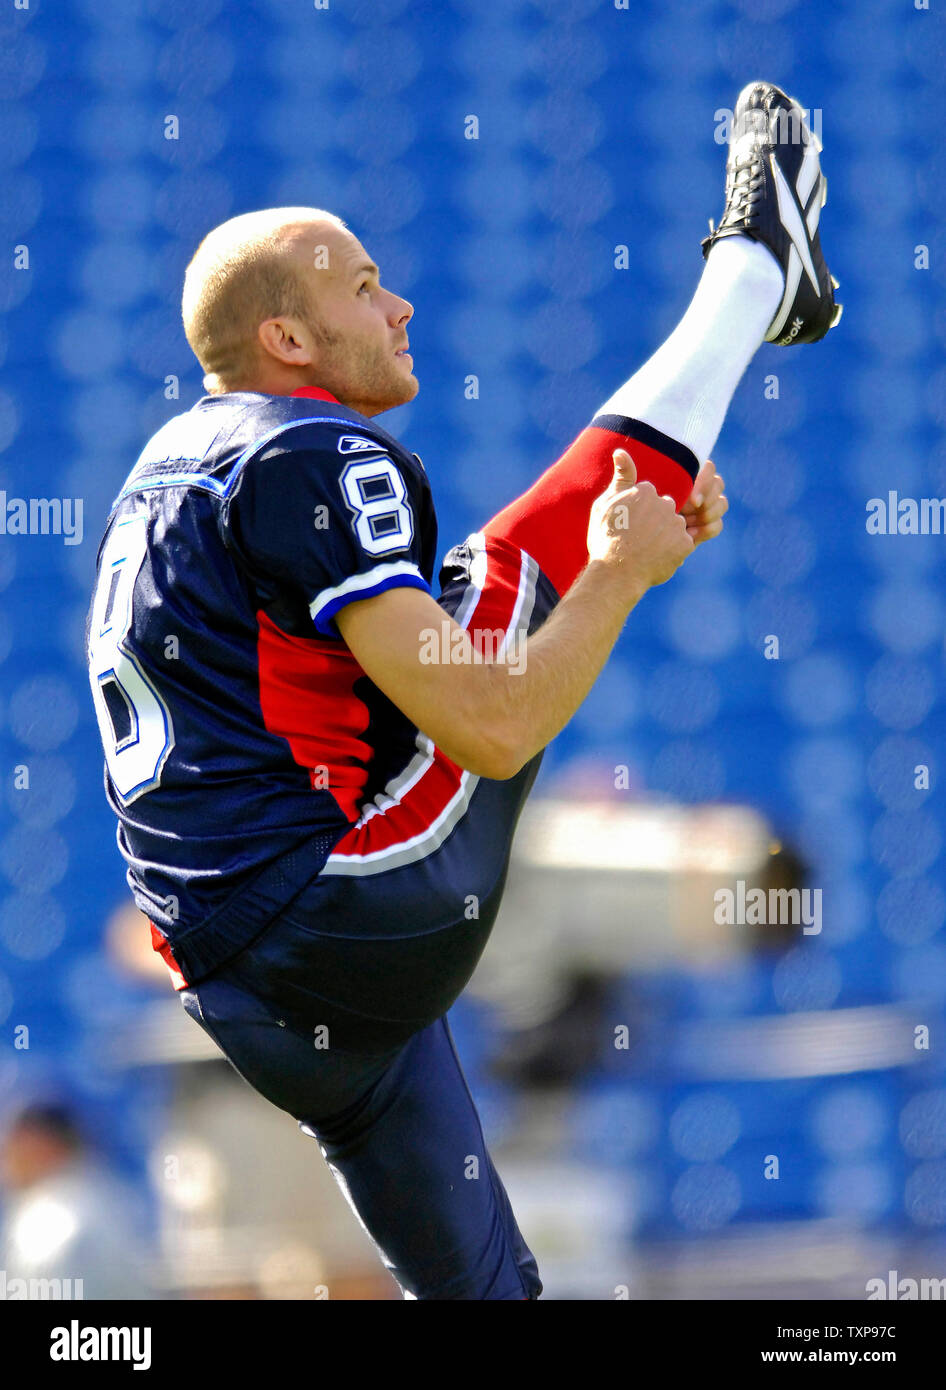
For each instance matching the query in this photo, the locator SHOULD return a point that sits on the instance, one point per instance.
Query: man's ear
(282, 339)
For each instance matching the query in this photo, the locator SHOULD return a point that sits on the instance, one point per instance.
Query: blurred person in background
(66, 1214)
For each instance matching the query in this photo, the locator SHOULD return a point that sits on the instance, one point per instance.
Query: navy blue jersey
(239, 731)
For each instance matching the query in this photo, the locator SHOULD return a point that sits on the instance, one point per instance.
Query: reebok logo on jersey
(356, 444)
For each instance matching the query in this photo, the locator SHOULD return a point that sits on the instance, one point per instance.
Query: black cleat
(775, 191)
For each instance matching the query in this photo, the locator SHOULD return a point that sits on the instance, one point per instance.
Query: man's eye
(365, 286)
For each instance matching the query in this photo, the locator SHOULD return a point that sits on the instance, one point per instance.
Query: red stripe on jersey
(412, 815)
(163, 948)
(306, 697)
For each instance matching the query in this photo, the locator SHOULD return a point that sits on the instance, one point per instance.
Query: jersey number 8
(375, 491)
(134, 722)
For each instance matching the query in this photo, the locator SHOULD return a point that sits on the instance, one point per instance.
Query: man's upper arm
(326, 526)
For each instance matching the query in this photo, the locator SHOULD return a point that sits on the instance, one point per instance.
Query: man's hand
(636, 530)
(706, 506)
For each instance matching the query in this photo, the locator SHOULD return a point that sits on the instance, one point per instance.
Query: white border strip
(356, 582)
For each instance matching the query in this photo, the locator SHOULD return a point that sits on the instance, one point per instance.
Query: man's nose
(402, 311)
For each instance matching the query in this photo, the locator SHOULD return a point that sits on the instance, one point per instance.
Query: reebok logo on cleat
(792, 221)
(797, 326)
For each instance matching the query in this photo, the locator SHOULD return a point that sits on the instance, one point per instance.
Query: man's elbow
(487, 734)
(499, 766)
(496, 754)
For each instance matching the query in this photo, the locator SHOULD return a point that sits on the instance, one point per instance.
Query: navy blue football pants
(337, 1013)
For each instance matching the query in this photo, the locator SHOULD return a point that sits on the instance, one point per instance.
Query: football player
(317, 745)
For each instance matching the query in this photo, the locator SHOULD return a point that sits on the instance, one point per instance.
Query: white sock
(684, 390)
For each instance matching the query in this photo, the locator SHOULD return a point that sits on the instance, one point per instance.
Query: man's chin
(404, 394)
(400, 392)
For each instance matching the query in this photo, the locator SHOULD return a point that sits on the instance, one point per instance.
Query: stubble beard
(364, 376)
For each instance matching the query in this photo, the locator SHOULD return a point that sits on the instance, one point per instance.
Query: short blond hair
(242, 273)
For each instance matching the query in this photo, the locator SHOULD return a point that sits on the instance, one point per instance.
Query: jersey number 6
(135, 724)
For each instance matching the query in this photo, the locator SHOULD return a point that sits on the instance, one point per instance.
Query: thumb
(625, 473)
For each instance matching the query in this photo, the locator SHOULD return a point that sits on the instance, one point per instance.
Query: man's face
(358, 351)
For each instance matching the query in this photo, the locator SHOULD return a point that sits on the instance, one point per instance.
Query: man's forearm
(520, 710)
